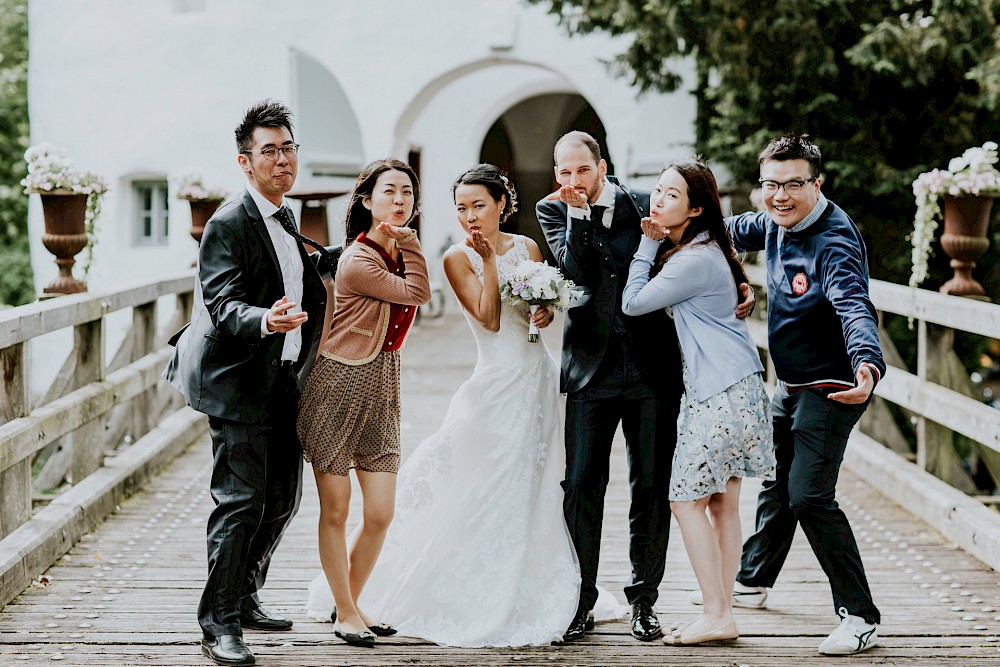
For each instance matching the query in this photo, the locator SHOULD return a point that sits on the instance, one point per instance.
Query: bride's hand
(480, 244)
(543, 317)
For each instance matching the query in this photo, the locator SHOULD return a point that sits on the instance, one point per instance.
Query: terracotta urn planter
(966, 220)
(313, 217)
(65, 235)
(201, 211)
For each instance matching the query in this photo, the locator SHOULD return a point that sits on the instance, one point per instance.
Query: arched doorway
(520, 142)
(332, 152)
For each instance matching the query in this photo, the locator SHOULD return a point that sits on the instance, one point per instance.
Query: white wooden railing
(97, 418)
(929, 480)
(93, 407)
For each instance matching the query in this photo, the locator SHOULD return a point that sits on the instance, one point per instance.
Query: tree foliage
(16, 285)
(887, 90)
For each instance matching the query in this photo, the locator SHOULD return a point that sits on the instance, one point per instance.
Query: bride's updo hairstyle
(498, 185)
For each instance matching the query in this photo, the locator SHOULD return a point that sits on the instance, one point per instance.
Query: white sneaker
(750, 597)
(853, 635)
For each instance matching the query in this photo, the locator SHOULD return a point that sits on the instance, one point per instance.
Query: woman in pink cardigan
(349, 412)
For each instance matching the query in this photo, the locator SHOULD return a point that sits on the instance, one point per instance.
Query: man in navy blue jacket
(823, 340)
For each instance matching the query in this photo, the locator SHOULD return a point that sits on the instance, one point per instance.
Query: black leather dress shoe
(645, 625)
(583, 621)
(259, 619)
(227, 650)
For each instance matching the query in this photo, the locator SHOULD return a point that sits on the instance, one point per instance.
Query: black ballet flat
(382, 630)
(364, 639)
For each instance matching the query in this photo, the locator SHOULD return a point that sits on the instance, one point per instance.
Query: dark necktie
(597, 214)
(285, 218)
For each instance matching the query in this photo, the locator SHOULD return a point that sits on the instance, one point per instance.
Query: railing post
(15, 482)
(922, 375)
(878, 422)
(185, 304)
(144, 330)
(87, 443)
(937, 454)
(167, 398)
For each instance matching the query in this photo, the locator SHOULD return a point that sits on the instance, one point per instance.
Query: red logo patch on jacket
(800, 284)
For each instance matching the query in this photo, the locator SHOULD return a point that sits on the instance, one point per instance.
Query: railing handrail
(938, 403)
(930, 481)
(91, 408)
(971, 315)
(24, 436)
(20, 324)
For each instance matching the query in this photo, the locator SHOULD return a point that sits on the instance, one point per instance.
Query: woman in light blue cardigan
(724, 428)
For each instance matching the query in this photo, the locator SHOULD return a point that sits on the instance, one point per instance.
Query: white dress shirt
(290, 263)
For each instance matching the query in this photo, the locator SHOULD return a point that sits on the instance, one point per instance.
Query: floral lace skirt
(727, 435)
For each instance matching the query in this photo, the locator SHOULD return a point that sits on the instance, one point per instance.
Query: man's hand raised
(570, 196)
(279, 320)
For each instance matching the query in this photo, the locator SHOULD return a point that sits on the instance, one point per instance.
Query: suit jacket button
(613, 275)
(274, 362)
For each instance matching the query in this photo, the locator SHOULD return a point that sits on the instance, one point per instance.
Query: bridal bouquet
(537, 284)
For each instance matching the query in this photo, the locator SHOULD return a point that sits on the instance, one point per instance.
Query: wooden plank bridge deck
(126, 594)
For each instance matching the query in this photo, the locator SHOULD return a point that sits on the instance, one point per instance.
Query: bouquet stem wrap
(532, 329)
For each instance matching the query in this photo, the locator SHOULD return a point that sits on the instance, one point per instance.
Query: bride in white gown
(478, 553)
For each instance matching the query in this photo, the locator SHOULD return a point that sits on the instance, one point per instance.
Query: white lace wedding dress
(478, 553)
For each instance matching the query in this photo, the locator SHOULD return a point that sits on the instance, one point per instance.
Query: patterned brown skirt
(349, 415)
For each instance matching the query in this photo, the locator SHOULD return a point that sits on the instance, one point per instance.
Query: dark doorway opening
(520, 142)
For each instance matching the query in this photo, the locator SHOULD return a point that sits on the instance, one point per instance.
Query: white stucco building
(140, 91)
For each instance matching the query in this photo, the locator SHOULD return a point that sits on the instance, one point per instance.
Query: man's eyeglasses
(271, 152)
(791, 188)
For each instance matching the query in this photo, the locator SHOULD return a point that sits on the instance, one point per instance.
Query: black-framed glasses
(271, 152)
(791, 188)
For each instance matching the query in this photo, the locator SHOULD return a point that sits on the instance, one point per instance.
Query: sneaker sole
(848, 652)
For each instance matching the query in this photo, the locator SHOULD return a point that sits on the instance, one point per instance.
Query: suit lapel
(623, 207)
(624, 234)
(626, 208)
(257, 223)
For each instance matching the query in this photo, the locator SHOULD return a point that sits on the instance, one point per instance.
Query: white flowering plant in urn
(972, 173)
(191, 186)
(51, 172)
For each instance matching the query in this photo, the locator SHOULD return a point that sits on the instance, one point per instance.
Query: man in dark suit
(254, 334)
(616, 370)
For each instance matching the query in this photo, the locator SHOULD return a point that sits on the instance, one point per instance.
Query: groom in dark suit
(615, 369)
(254, 334)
